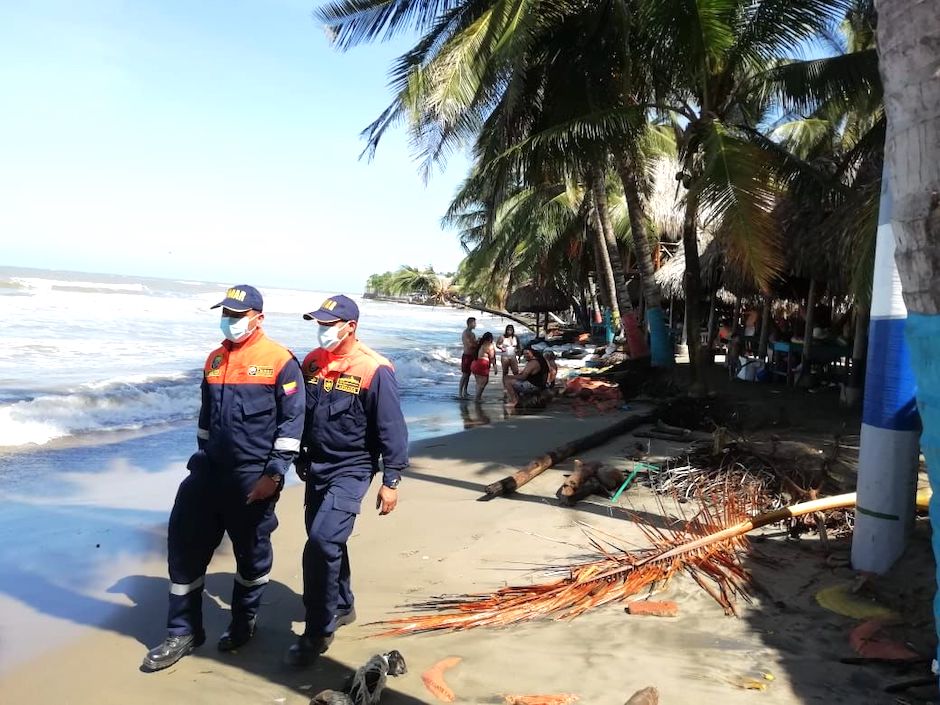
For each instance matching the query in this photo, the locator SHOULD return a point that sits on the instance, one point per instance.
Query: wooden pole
(806, 378)
(764, 329)
(544, 462)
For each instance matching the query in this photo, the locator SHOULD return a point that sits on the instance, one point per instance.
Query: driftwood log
(588, 479)
(544, 462)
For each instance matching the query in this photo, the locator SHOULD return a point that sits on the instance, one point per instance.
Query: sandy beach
(442, 540)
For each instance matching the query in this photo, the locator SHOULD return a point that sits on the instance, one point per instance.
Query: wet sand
(440, 540)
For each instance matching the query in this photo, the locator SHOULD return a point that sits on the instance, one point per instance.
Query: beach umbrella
(537, 299)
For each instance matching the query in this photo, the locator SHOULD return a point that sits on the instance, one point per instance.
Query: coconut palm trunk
(806, 368)
(909, 48)
(636, 345)
(853, 392)
(764, 329)
(660, 345)
(692, 282)
(604, 268)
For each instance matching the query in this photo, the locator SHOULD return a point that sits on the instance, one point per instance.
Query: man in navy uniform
(353, 420)
(250, 425)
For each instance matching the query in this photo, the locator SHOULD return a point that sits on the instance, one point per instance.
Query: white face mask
(328, 336)
(235, 329)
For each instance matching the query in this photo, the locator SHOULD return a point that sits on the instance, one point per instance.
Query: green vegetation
(406, 280)
(602, 130)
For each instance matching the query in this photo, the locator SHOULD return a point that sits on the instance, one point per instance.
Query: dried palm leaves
(706, 547)
(762, 475)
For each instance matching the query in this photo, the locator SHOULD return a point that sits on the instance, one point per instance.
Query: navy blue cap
(335, 308)
(242, 297)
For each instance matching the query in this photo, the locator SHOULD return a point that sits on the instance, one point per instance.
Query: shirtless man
(469, 339)
(531, 379)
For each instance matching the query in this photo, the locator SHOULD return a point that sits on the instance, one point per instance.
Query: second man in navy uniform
(353, 419)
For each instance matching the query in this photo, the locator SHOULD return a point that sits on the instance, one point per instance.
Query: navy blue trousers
(208, 504)
(330, 516)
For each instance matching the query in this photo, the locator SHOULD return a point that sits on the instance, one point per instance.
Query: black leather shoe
(236, 635)
(171, 650)
(345, 618)
(308, 649)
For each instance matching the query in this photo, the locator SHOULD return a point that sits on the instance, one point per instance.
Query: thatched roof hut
(535, 299)
(670, 275)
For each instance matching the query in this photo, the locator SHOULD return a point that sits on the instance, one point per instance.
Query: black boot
(308, 649)
(237, 635)
(172, 650)
(344, 618)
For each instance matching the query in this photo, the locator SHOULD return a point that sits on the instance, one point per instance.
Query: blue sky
(208, 140)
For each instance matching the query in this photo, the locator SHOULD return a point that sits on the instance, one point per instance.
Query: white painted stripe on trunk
(181, 589)
(288, 444)
(202, 434)
(879, 541)
(886, 299)
(252, 583)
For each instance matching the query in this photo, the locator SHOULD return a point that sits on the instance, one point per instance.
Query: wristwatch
(393, 485)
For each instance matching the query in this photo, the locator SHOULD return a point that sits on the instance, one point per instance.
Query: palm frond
(353, 22)
(736, 185)
(707, 546)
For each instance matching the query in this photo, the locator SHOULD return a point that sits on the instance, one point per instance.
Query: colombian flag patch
(289, 388)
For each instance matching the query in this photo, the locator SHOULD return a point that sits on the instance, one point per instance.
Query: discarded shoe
(308, 649)
(172, 650)
(365, 686)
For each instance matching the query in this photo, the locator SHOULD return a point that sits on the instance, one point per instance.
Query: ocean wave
(423, 372)
(123, 404)
(84, 287)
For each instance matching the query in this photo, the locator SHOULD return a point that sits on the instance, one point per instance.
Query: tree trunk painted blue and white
(890, 441)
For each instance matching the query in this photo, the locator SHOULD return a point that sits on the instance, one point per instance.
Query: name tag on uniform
(349, 383)
(260, 371)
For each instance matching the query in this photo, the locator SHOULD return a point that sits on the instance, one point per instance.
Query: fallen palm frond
(707, 546)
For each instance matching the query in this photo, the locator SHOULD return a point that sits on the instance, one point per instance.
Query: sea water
(85, 355)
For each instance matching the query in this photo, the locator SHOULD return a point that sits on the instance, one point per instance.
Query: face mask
(328, 336)
(235, 329)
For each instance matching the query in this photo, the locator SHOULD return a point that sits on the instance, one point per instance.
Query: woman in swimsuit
(484, 360)
(508, 345)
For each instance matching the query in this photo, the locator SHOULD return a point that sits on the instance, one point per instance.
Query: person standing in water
(469, 340)
(508, 346)
(484, 360)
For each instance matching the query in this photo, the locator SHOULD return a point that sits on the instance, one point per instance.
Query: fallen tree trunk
(494, 312)
(544, 462)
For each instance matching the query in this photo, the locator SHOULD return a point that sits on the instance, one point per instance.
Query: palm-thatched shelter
(537, 299)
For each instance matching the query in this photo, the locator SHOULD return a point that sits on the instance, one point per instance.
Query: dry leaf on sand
(434, 679)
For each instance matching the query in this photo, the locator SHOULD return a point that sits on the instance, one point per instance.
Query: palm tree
(707, 53)
(518, 71)
(907, 39)
(411, 280)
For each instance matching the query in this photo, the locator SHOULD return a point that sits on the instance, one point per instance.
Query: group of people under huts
(739, 337)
